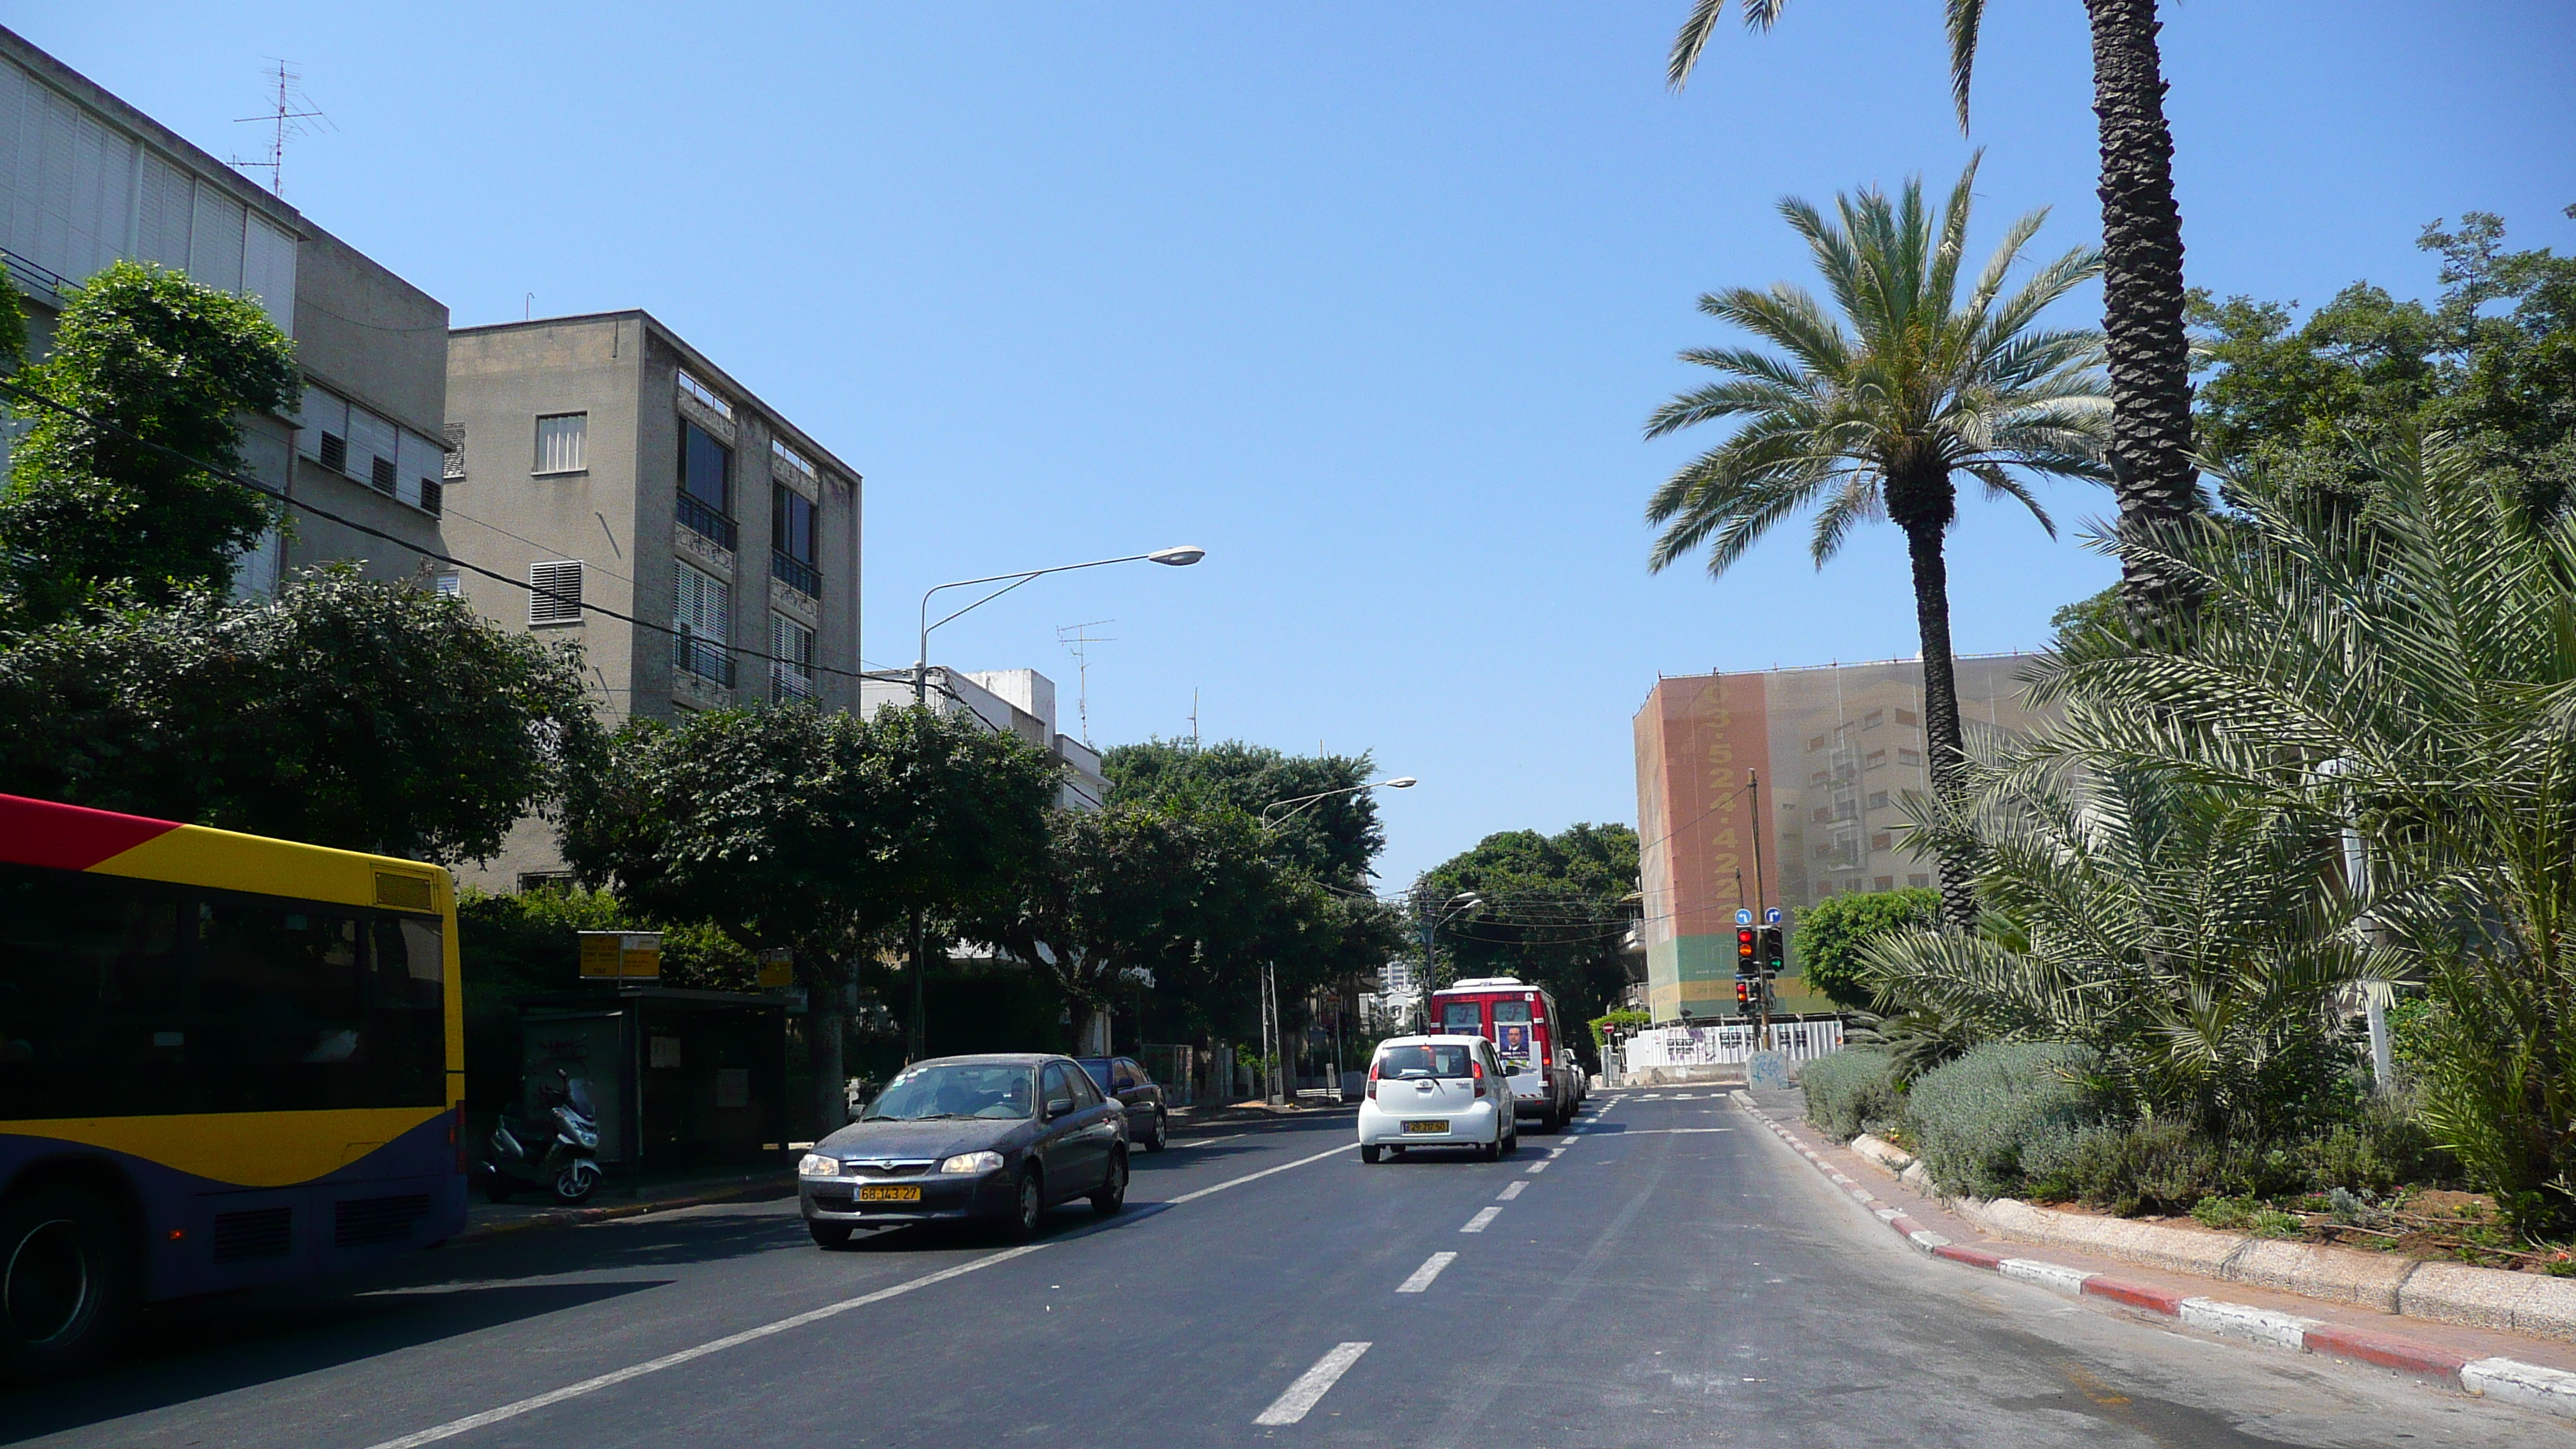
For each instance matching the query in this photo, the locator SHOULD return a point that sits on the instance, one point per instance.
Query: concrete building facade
(605, 467)
(1009, 701)
(1838, 748)
(86, 180)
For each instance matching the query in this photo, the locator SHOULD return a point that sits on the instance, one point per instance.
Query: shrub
(2244, 1215)
(1852, 1091)
(1832, 931)
(1976, 1119)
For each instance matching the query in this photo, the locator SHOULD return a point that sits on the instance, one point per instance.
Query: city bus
(1520, 1020)
(225, 1061)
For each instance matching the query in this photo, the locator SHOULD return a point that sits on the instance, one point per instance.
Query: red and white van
(1520, 1020)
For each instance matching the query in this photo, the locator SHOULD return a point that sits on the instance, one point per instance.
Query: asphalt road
(1666, 1274)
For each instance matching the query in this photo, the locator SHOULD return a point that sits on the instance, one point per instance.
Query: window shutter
(561, 440)
(554, 592)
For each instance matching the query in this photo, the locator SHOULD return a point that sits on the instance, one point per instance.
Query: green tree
(2150, 435)
(150, 361)
(2491, 361)
(1832, 932)
(1876, 414)
(368, 716)
(1557, 910)
(817, 833)
(1333, 840)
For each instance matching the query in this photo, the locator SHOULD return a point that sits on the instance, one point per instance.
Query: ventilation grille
(433, 497)
(554, 592)
(335, 452)
(403, 892)
(247, 1237)
(362, 1221)
(381, 474)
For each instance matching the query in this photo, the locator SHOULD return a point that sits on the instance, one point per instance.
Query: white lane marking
(454, 1427)
(1556, 1152)
(1483, 1216)
(1423, 1275)
(1210, 1141)
(1669, 1131)
(1257, 1176)
(1512, 1191)
(470, 1422)
(1540, 1166)
(1311, 1385)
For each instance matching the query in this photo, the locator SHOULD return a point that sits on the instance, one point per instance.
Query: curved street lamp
(1300, 802)
(1180, 556)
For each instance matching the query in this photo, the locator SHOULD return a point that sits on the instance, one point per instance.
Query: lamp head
(1400, 782)
(1180, 557)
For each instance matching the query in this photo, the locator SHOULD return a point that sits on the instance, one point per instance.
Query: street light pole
(1275, 1033)
(1181, 556)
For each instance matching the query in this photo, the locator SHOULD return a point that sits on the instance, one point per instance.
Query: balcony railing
(704, 658)
(796, 573)
(787, 686)
(705, 522)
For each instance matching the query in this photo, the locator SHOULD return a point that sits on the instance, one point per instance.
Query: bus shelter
(681, 1078)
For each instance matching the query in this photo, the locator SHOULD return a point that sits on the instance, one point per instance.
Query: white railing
(1711, 1046)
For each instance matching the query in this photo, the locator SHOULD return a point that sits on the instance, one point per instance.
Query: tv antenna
(1079, 639)
(288, 110)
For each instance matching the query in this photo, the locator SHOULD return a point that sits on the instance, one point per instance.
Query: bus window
(1462, 1018)
(90, 977)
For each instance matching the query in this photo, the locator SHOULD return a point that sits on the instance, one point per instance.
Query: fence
(1710, 1046)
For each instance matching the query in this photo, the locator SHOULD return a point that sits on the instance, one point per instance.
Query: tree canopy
(158, 362)
(369, 716)
(1333, 840)
(1557, 909)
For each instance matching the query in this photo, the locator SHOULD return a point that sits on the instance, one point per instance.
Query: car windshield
(1097, 1068)
(1407, 1063)
(955, 1089)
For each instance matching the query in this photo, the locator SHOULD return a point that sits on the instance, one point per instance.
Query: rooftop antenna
(1194, 714)
(1076, 637)
(288, 110)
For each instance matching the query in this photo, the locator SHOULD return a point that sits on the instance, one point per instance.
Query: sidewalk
(535, 1209)
(2536, 1372)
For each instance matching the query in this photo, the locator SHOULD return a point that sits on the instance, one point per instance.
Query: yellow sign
(621, 955)
(777, 970)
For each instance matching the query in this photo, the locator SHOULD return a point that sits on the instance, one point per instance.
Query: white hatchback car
(1435, 1091)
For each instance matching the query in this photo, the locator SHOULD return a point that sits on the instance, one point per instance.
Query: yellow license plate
(890, 1194)
(1439, 1124)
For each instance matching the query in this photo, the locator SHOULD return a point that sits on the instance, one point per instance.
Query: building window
(1873, 719)
(791, 541)
(1884, 883)
(450, 586)
(1878, 800)
(533, 882)
(452, 466)
(1881, 840)
(1909, 757)
(701, 622)
(791, 666)
(706, 485)
(1815, 743)
(1875, 759)
(700, 391)
(563, 441)
(1820, 778)
(1919, 880)
(788, 458)
(554, 592)
(1820, 814)
(1907, 717)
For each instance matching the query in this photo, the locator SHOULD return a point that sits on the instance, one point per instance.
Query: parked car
(1431, 1091)
(1148, 1113)
(998, 1138)
(1575, 1073)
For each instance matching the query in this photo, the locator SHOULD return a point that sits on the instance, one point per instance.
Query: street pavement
(1663, 1274)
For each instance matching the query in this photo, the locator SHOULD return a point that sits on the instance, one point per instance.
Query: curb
(575, 1217)
(2552, 1391)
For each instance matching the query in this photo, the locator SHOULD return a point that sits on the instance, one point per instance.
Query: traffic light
(1746, 964)
(1744, 995)
(1774, 950)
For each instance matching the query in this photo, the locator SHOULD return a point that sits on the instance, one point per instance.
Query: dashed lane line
(1539, 1166)
(1483, 1216)
(1423, 1275)
(1513, 1191)
(1312, 1385)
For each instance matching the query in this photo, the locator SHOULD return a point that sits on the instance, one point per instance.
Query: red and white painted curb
(2552, 1391)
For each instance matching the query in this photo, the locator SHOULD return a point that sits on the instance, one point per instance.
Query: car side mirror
(1058, 1107)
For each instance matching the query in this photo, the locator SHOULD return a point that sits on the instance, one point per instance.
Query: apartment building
(702, 549)
(1838, 749)
(1008, 701)
(87, 180)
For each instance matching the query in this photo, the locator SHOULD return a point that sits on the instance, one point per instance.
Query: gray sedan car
(997, 1138)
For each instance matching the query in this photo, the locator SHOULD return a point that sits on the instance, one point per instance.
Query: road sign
(1771, 917)
(1744, 915)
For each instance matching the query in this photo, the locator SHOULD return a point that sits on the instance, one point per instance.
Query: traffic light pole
(1761, 912)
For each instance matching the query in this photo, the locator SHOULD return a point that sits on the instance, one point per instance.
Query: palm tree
(1877, 419)
(2152, 475)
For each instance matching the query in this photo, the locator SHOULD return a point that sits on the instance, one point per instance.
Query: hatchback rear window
(1406, 1063)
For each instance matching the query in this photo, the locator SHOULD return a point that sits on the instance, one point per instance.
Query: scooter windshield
(578, 1090)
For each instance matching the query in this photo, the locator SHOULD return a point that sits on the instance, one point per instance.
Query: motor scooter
(556, 1152)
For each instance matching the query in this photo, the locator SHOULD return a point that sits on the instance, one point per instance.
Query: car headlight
(965, 1162)
(812, 1165)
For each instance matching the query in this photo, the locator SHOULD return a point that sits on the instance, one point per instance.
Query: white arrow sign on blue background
(1744, 915)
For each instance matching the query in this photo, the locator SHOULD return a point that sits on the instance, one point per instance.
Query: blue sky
(1369, 300)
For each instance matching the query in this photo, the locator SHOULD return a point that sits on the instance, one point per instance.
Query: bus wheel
(66, 1282)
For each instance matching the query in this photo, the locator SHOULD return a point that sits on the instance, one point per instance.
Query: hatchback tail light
(1372, 1083)
(1478, 1068)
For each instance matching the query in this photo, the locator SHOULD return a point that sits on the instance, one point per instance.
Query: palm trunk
(1941, 738)
(2150, 361)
